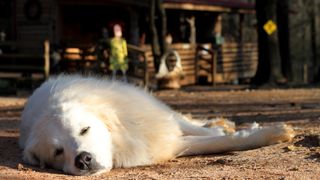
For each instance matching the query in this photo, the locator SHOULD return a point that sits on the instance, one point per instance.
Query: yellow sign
(270, 27)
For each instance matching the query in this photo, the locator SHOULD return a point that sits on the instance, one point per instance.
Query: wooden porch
(226, 64)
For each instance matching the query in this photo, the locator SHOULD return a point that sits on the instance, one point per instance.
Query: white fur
(127, 127)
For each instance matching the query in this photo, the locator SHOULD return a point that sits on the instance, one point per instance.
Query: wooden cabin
(79, 24)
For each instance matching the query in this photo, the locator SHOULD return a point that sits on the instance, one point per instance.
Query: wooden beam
(46, 59)
(246, 11)
(195, 7)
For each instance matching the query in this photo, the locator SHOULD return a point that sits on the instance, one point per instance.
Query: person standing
(118, 53)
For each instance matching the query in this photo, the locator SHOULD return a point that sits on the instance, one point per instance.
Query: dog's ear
(29, 154)
(32, 153)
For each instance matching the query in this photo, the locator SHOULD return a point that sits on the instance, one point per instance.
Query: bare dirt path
(297, 160)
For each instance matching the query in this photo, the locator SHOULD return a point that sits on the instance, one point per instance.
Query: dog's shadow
(11, 157)
(10, 152)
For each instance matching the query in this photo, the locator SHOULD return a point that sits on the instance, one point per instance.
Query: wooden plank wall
(31, 33)
(233, 62)
(187, 53)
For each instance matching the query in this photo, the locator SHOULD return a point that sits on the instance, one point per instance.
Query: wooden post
(214, 66)
(217, 31)
(192, 24)
(241, 16)
(46, 58)
(196, 65)
(146, 72)
(305, 73)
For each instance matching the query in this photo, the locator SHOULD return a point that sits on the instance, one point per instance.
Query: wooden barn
(215, 39)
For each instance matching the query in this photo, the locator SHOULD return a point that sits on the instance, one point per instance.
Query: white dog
(86, 125)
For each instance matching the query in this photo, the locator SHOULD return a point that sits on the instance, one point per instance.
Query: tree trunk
(154, 36)
(158, 31)
(163, 27)
(313, 32)
(284, 37)
(269, 68)
(273, 45)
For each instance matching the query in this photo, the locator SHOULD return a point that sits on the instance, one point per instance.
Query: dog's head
(72, 139)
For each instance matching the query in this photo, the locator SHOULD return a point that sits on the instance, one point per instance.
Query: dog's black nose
(83, 161)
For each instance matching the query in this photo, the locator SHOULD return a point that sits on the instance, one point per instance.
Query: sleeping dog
(86, 125)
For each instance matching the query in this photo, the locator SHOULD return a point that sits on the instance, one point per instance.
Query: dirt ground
(296, 160)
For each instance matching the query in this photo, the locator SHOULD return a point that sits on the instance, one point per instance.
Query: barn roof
(209, 5)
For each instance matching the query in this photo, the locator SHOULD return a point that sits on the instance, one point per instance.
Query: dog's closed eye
(84, 131)
(58, 152)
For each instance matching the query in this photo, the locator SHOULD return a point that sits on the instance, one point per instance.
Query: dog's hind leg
(189, 129)
(215, 127)
(241, 140)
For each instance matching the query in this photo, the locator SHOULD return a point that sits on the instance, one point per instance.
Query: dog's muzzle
(83, 161)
